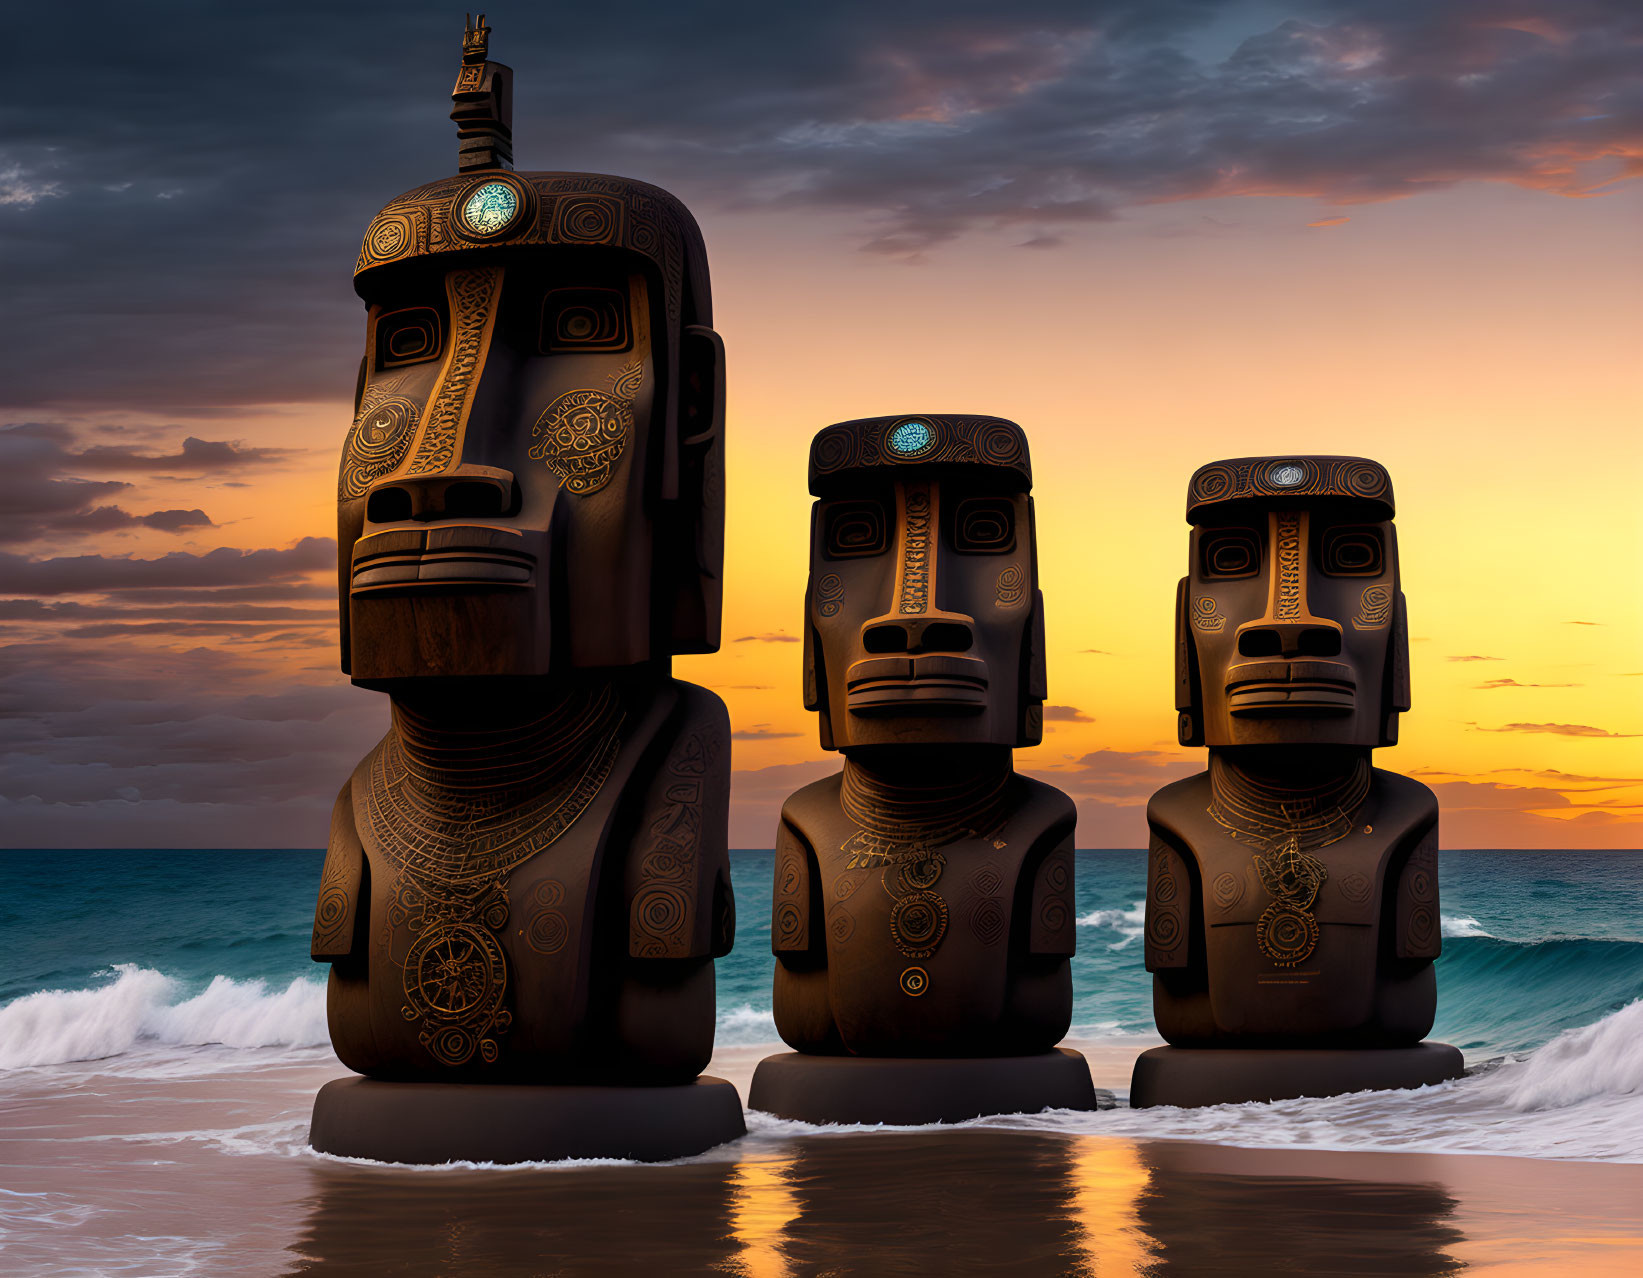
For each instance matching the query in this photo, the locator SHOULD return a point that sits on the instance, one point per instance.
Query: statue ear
(1034, 678)
(1396, 682)
(691, 545)
(1188, 695)
(815, 678)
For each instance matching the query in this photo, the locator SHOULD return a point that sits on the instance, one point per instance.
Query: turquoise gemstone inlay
(910, 438)
(490, 208)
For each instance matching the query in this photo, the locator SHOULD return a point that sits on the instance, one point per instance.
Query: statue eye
(853, 529)
(1352, 552)
(410, 336)
(584, 319)
(1229, 552)
(984, 526)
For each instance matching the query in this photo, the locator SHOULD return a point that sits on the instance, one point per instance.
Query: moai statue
(923, 911)
(1292, 889)
(527, 880)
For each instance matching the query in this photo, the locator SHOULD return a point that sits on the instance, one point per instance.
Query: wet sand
(109, 1171)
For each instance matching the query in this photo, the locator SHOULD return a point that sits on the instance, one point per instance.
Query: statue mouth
(439, 558)
(916, 685)
(1278, 689)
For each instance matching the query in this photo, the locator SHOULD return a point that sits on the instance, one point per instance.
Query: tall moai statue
(1292, 889)
(923, 911)
(527, 880)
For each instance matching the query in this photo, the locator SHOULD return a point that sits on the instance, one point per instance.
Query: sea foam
(141, 1005)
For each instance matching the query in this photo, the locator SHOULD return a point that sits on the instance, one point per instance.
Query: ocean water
(168, 963)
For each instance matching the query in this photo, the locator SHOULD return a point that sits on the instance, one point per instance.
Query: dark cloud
(44, 492)
(1474, 658)
(759, 732)
(213, 455)
(108, 745)
(182, 188)
(1065, 714)
(224, 566)
(774, 636)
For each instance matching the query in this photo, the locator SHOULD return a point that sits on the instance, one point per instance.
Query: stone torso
(1313, 920)
(938, 925)
(502, 895)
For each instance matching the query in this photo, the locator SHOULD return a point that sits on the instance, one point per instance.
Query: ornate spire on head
(483, 108)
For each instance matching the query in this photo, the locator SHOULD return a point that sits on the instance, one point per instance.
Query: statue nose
(919, 634)
(1314, 637)
(464, 492)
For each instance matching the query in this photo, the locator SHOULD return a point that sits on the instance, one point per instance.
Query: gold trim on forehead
(472, 295)
(918, 512)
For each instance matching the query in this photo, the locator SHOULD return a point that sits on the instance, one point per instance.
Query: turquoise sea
(107, 952)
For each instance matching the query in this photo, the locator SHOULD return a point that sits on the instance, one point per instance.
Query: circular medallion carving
(917, 924)
(1286, 935)
(1228, 890)
(915, 981)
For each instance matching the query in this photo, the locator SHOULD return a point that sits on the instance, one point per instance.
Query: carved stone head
(534, 478)
(1290, 625)
(923, 620)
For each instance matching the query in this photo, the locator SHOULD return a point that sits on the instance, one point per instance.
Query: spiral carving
(841, 924)
(378, 442)
(917, 924)
(1228, 890)
(1012, 586)
(1286, 935)
(834, 449)
(829, 594)
(588, 219)
(987, 920)
(789, 923)
(1213, 483)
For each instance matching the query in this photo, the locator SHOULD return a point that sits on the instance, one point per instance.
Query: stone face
(527, 881)
(1291, 887)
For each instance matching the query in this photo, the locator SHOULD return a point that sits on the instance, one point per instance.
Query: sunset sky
(1154, 233)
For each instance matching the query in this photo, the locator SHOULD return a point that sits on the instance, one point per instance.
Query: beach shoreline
(202, 1167)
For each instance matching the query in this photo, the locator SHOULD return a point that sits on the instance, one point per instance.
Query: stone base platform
(908, 1091)
(515, 1123)
(1190, 1077)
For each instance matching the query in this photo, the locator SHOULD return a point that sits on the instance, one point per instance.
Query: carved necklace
(900, 827)
(455, 812)
(1287, 824)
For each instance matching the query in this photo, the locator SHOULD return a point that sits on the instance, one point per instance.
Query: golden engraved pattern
(573, 208)
(582, 434)
(453, 834)
(376, 446)
(1374, 608)
(1318, 477)
(1287, 825)
(976, 441)
(661, 910)
(915, 561)
(1012, 586)
(1286, 603)
(1206, 616)
(331, 911)
(900, 828)
(829, 594)
(473, 295)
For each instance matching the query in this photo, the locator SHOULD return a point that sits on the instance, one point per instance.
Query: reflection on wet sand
(972, 1201)
(1206, 1221)
(588, 1220)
